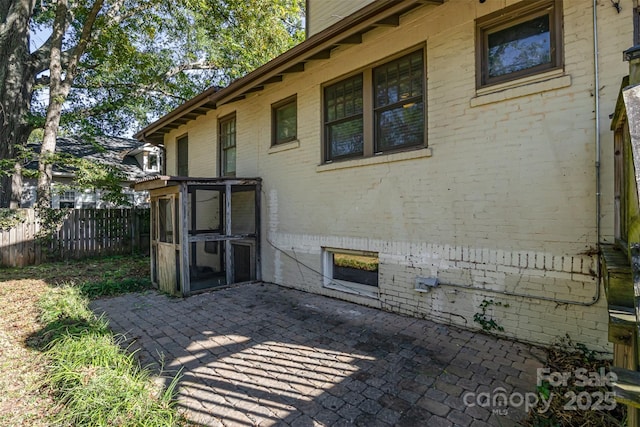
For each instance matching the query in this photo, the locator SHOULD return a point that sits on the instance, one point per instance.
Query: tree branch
(81, 46)
(194, 66)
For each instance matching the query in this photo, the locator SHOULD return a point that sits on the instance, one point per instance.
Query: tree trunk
(16, 86)
(57, 95)
(59, 88)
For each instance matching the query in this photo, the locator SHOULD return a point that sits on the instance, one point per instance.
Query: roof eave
(318, 46)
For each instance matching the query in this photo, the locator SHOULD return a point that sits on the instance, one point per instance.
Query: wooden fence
(81, 233)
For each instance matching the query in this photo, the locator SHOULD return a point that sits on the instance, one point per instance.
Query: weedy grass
(564, 409)
(111, 287)
(97, 382)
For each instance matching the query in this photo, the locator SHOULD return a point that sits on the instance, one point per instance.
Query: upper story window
(227, 134)
(153, 162)
(284, 121)
(183, 156)
(378, 110)
(519, 41)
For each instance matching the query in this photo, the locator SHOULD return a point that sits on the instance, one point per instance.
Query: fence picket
(83, 233)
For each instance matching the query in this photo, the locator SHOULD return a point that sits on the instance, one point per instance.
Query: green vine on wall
(10, 218)
(488, 323)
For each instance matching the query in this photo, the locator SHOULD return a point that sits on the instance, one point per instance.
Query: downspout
(596, 93)
(596, 74)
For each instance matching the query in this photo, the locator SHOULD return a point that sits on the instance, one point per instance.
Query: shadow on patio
(261, 354)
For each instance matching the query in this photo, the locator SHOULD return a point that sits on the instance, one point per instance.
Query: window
(636, 26)
(284, 121)
(399, 108)
(68, 199)
(227, 132)
(183, 156)
(519, 41)
(343, 118)
(153, 162)
(351, 271)
(379, 110)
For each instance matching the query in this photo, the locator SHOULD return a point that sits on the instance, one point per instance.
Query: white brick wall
(505, 202)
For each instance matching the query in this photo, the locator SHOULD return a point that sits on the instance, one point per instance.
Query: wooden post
(258, 210)
(183, 229)
(635, 268)
(227, 242)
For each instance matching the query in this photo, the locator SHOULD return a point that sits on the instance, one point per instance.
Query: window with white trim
(351, 271)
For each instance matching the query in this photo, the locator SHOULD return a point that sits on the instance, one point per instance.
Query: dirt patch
(24, 400)
(584, 400)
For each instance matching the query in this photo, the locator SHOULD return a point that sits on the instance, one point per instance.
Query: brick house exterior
(499, 201)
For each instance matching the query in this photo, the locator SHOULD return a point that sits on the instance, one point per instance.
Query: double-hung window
(519, 41)
(378, 110)
(284, 116)
(227, 129)
(183, 156)
(343, 118)
(399, 104)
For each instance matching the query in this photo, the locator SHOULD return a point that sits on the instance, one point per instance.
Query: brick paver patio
(261, 354)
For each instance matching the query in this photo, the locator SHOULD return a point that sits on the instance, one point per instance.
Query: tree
(113, 66)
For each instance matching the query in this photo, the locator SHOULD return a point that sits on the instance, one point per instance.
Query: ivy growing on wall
(486, 322)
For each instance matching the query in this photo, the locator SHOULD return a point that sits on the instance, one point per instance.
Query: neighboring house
(443, 159)
(134, 159)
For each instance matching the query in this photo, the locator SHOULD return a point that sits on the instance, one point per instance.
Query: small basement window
(351, 271)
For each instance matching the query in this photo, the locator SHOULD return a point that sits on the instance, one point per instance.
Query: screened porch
(205, 232)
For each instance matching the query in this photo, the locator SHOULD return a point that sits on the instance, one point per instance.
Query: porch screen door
(167, 243)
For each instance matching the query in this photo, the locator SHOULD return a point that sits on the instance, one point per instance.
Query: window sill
(523, 87)
(352, 288)
(375, 160)
(284, 147)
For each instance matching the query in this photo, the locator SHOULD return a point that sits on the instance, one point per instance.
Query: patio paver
(261, 354)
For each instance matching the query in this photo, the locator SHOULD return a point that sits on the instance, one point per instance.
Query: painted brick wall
(502, 202)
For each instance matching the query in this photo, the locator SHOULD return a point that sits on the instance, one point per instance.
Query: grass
(59, 363)
(98, 383)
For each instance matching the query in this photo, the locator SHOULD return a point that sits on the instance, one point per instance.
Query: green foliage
(110, 287)
(487, 323)
(9, 218)
(50, 221)
(90, 175)
(97, 382)
(246, 34)
(160, 53)
(65, 301)
(143, 58)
